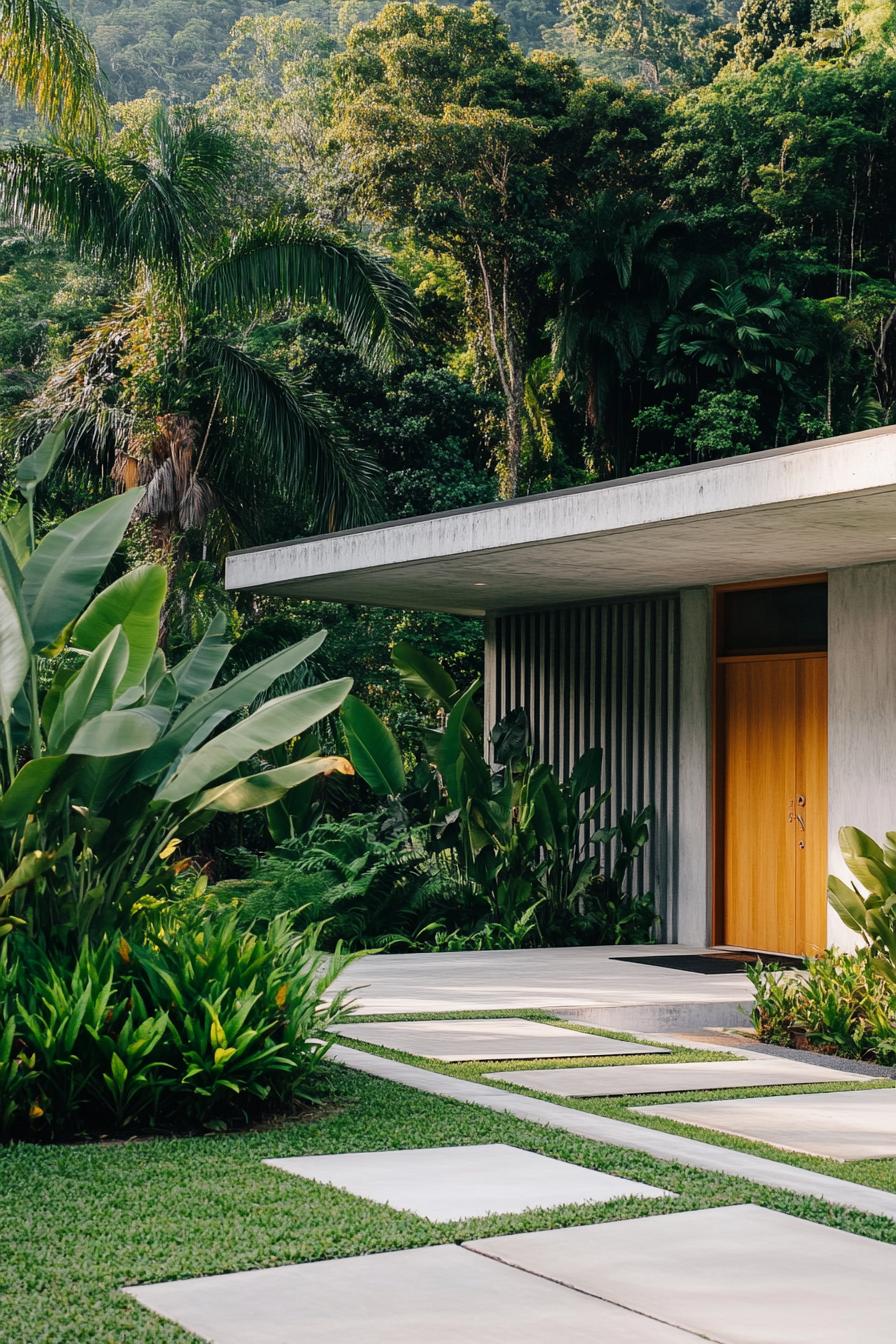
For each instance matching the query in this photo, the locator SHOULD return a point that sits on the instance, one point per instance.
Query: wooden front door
(772, 802)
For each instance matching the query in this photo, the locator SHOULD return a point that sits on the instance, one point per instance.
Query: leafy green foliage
(364, 885)
(842, 1005)
(200, 1024)
(846, 1003)
(373, 749)
(153, 204)
(111, 757)
(49, 63)
(466, 852)
(872, 913)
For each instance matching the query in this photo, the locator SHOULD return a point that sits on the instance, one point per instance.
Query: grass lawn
(78, 1222)
(878, 1172)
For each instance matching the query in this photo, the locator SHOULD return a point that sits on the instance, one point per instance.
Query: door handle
(793, 815)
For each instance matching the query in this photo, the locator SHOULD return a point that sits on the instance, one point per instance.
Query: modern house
(726, 632)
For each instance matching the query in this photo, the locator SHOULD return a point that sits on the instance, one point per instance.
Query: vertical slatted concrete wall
(605, 676)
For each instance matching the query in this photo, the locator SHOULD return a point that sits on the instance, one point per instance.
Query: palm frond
(279, 264)
(63, 193)
(287, 432)
(84, 390)
(49, 63)
(175, 188)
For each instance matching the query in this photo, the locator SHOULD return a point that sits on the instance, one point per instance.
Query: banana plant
(871, 914)
(489, 815)
(524, 836)
(110, 758)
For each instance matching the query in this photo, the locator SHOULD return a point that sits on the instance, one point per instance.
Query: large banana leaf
(37, 466)
(15, 658)
(268, 727)
(27, 789)
(196, 673)
(200, 719)
(16, 534)
(423, 675)
(452, 758)
(260, 790)
(848, 904)
(135, 603)
(118, 732)
(11, 578)
(374, 751)
(91, 692)
(61, 574)
(586, 774)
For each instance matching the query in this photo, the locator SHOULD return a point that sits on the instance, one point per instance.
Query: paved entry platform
(589, 984)
(842, 1125)
(490, 1038)
(447, 1184)
(437, 1295)
(618, 1080)
(740, 1275)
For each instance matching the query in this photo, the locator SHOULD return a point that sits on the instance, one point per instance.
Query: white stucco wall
(861, 710)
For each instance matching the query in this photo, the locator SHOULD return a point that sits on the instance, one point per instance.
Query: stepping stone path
(740, 1275)
(619, 1080)
(446, 1184)
(467, 1039)
(437, 1295)
(842, 1125)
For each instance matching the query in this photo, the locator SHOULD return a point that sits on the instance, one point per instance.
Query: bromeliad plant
(110, 758)
(202, 1024)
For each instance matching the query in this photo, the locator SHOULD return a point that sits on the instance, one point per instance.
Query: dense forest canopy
(601, 236)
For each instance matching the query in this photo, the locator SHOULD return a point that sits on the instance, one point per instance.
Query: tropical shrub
(110, 758)
(366, 887)
(200, 1024)
(531, 842)
(841, 1005)
(531, 857)
(872, 914)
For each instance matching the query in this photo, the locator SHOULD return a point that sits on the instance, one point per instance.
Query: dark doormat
(715, 963)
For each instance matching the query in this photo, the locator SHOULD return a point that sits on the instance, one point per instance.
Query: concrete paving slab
(446, 1184)
(618, 1080)
(740, 1275)
(490, 1038)
(625, 1134)
(440, 1294)
(846, 1126)
(587, 981)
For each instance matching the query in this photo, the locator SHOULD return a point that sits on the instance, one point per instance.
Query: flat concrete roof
(816, 506)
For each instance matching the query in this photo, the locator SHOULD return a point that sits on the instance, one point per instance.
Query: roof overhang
(817, 506)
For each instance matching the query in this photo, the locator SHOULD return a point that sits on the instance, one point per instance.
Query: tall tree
(626, 266)
(485, 154)
(49, 63)
(167, 389)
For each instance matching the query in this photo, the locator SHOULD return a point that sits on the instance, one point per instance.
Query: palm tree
(745, 330)
(49, 63)
(167, 390)
(616, 281)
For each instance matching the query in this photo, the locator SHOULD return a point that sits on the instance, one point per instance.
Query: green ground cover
(79, 1222)
(878, 1172)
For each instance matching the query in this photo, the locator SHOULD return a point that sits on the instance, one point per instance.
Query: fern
(367, 889)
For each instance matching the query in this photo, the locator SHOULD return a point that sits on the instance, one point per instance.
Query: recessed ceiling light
(483, 585)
